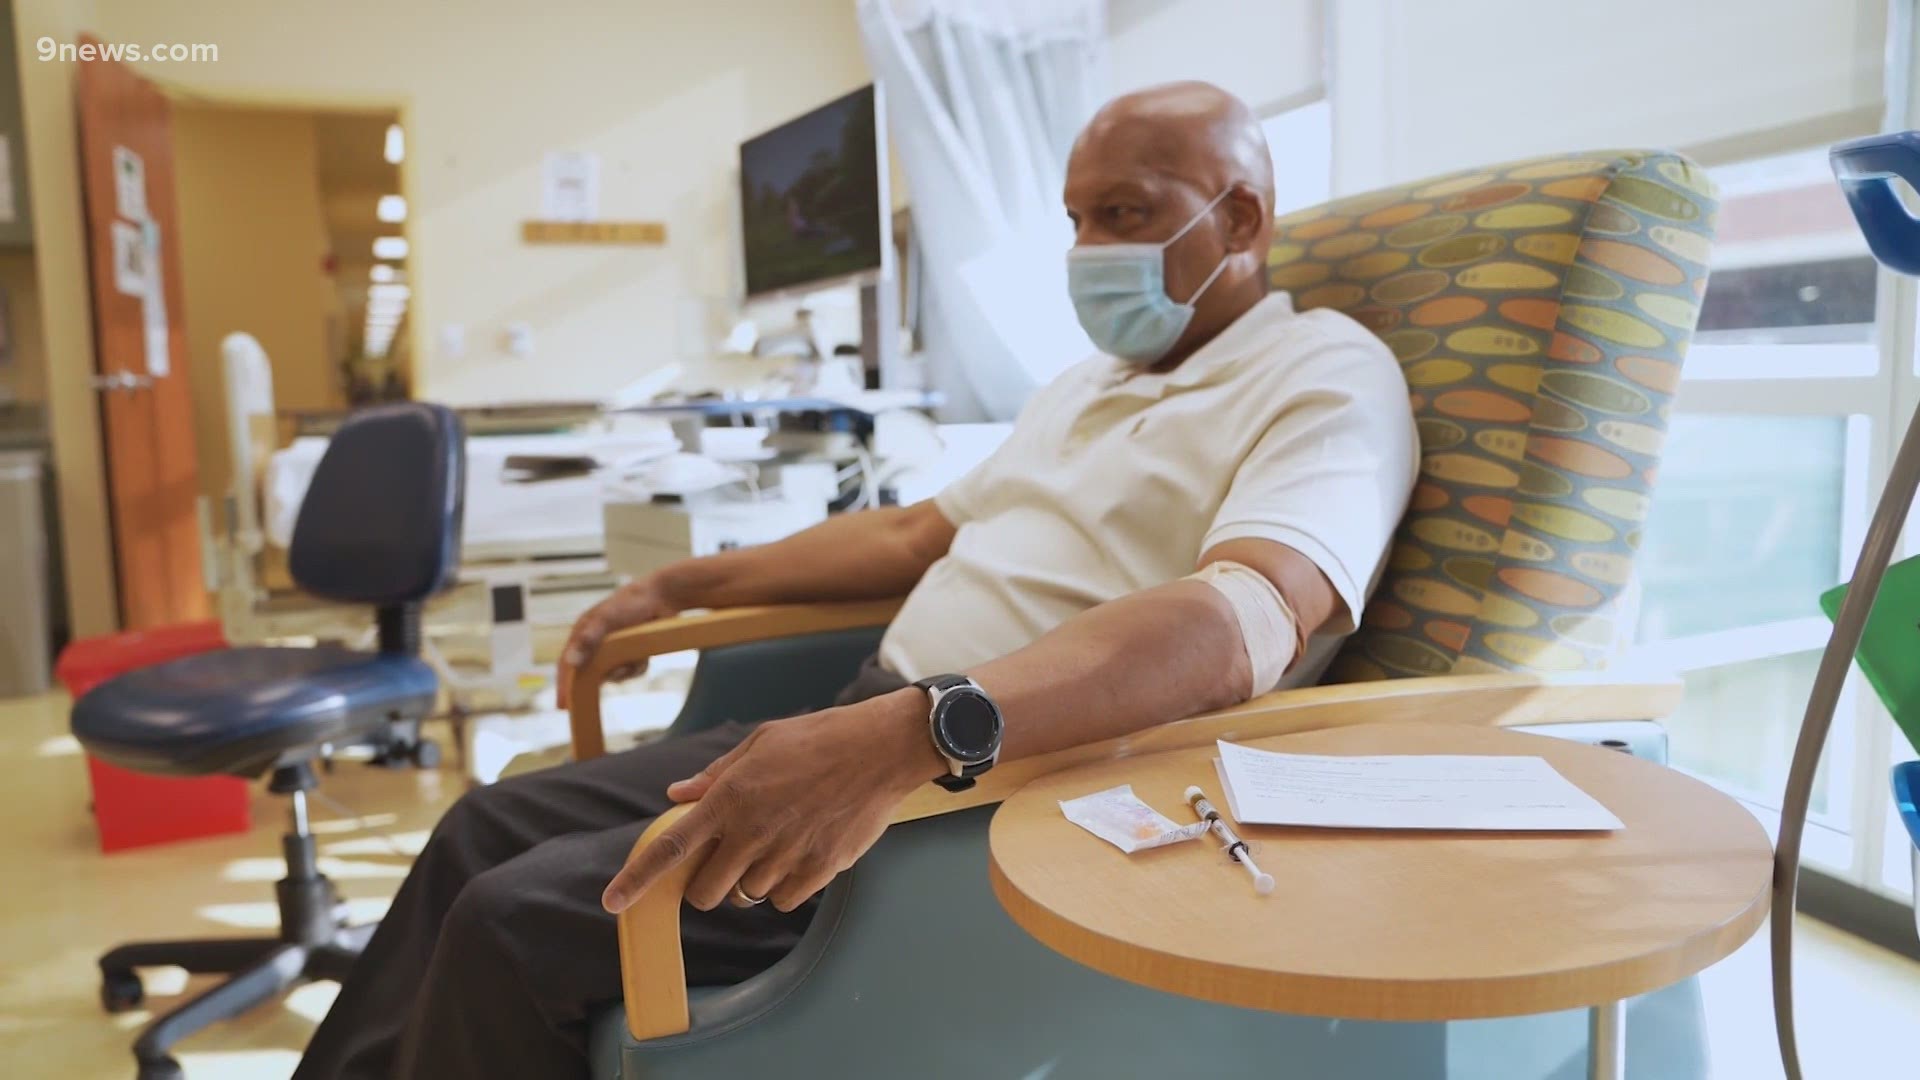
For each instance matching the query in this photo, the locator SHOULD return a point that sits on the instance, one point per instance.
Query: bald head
(1192, 132)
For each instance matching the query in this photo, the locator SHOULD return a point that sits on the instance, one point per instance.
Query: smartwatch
(965, 725)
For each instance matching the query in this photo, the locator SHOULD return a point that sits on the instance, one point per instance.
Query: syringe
(1236, 847)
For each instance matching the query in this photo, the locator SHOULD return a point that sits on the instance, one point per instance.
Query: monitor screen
(810, 197)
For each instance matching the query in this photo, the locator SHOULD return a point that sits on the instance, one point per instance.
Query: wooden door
(140, 360)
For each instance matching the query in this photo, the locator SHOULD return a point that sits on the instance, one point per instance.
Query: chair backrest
(381, 520)
(1540, 311)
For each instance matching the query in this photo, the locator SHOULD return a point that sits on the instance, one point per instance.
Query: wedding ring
(741, 897)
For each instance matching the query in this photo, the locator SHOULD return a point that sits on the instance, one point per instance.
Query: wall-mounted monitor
(813, 198)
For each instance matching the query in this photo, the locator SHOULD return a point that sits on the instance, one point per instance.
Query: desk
(1398, 925)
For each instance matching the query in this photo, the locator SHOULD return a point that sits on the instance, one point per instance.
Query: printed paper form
(1449, 791)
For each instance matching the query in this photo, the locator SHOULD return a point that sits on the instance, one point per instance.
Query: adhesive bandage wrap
(1268, 627)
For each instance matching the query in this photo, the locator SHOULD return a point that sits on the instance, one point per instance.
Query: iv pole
(1882, 538)
(1865, 169)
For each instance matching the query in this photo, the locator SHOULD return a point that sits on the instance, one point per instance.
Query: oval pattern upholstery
(1540, 311)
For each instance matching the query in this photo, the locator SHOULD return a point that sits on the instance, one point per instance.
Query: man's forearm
(1157, 655)
(860, 556)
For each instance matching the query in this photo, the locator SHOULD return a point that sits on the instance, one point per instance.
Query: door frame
(186, 92)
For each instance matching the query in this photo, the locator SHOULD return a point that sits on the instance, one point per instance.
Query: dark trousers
(496, 950)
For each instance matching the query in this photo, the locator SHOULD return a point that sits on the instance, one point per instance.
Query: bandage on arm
(1268, 627)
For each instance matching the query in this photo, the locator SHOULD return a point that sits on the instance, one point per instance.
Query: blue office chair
(381, 526)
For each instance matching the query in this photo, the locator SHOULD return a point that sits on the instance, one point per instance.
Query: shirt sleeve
(1330, 477)
(959, 501)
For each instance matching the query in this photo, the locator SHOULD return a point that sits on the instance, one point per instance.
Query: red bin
(134, 809)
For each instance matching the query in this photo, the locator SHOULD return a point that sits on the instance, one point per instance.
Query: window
(1793, 293)
(1301, 142)
(1745, 523)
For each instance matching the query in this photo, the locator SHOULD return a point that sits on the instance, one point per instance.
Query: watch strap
(965, 780)
(957, 783)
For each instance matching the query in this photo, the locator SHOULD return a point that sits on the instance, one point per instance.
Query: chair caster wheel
(120, 991)
(164, 1069)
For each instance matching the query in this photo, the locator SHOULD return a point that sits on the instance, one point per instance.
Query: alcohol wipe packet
(1117, 816)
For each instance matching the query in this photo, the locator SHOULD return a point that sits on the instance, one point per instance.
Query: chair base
(259, 970)
(314, 943)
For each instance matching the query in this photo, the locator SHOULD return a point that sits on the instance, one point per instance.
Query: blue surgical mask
(1120, 293)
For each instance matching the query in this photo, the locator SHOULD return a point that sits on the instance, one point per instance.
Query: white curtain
(983, 100)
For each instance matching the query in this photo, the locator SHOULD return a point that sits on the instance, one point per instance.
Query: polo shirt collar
(1211, 361)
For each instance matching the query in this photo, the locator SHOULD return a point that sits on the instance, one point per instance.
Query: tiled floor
(62, 902)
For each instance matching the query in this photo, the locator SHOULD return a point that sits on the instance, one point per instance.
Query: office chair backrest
(381, 520)
(1540, 311)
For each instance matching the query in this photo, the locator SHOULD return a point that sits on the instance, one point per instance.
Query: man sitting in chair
(1192, 517)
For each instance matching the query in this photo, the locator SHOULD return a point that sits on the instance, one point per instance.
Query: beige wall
(251, 244)
(26, 377)
(59, 235)
(663, 92)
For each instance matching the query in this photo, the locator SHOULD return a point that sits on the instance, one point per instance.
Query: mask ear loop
(1201, 291)
(1184, 229)
(1196, 219)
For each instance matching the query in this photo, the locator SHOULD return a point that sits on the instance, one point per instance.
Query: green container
(1889, 653)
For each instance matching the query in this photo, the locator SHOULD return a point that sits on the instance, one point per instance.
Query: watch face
(969, 725)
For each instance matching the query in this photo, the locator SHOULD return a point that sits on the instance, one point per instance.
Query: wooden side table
(1399, 925)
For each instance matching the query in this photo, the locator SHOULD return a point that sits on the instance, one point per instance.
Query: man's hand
(629, 605)
(796, 803)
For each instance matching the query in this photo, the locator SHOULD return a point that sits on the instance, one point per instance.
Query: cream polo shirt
(1286, 427)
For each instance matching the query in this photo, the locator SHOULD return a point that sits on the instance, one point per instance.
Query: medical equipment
(1866, 169)
(509, 516)
(1237, 849)
(683, 475)
(534, 549)
(1890, 646)
(645, 535)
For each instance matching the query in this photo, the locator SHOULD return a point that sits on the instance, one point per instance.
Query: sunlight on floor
(312, 1000)
(353, 824)
(59, 746)
(74, 903)
(403, 844)
(239, 1064)
(272, 870)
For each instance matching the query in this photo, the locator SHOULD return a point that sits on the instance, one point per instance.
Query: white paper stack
(1405, 792)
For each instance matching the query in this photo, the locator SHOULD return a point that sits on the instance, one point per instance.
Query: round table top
(1394, 925)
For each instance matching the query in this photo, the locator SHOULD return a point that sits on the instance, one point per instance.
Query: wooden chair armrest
(654, 976)
(653, 973)
(703, 630)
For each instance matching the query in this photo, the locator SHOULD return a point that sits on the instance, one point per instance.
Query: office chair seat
(238, 711)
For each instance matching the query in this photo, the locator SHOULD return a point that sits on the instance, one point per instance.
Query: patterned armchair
(1540, 311)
